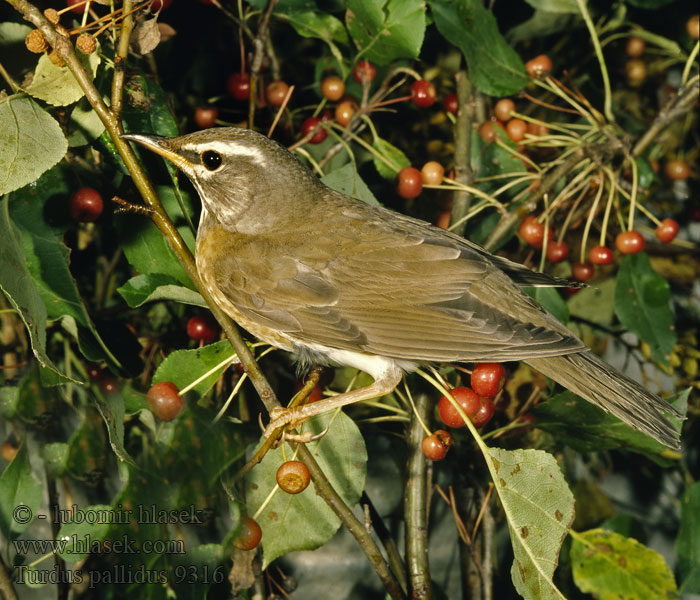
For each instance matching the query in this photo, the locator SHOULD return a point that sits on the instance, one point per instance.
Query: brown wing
(371, 282)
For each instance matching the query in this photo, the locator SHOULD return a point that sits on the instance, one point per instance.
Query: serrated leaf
(395, 159)
(642, 303)
(57, 85)
(111, 407)
(324, 26)
(153, 287)
(494, 67)
(304, 521)
(88, 526)
(612, 566)
(31, 142)
(20, 495)
(385, 31)
(688, 541)
(551, 300)
(13, 33)
(539, 507)
(182, 367)
(17, 284)
(347, 180)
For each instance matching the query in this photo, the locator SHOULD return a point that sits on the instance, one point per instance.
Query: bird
(338, 281)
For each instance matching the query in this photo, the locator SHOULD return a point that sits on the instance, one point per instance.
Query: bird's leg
(384, 383)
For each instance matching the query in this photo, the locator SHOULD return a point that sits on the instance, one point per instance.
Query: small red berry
(249, 534)
(202, 329)
(333, 88)
(206, 116)
(484, 412)
(450, 103)
(692, 26)
(532, 232)
(557, 251)
(157, 5)
(516, 128)
(94, 371)
(85, 205)
(600, 255)
(344, 112)
(635, 47)
(78, 10)
(539, 66)
(488, 379)
(582, 271)
(487, 130)
(108, 385)
(165, 401)
(667, 230)
(629, 242)
(276, 92)
(364, 70)
(293, 477)
(435, 446)
(538, 129)
(309, 125)
(423, 93)
(9, 450)
(410, 182)
(238, 85)
(466, 398)
(503, 109)
(432, 173)
(677, 170)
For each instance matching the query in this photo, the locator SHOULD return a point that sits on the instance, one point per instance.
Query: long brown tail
(596, 381)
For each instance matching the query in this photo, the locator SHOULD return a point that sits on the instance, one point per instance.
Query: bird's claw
(286, 419)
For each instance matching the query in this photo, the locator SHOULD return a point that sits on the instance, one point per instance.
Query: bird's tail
(598, 382)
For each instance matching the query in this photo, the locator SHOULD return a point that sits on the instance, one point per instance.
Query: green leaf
(551, 300)
(84, 125)
(182, 367)
(17, 284)
(396, 158)
(347, 180)
(206, 561)
(612, 566)
(555, 6)
(13, 33)
(385, 31)
(494, 67)
(595, 303)
(539, 508)
(649, 4)
(87, 528)
(304, 521)
(312, 24)
(20, 495)
(542, 24)
(587, 428)
(31, 142)
(111, 407)
(642, 303)
(154, 286)
(56, 458)
(57, 85)
(688, 541)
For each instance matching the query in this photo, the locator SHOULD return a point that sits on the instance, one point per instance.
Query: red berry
(94, 371)
(157, 5)
(582, 271)
(108, 385)
(238, 85)
(165, 401)
(557, 251)
(344, 112)
(410, 182)
(206, 116)
(293, 477)
(677, 170)
(276, 92)
(333, 88)
(249, 534)
(516, 128)
(629, 242)
(9, 450)
(309, 125)
(78, 10)
(488, 379)
(450, 103)
(364, 70)
(85, 205)
(435, 446)
(600, 255)
(484, 413)
(423, 93)
(667, 230)
(539, 66)
(503, 109)
(466, 398)
(202, 329)
(487, 130)
(692, 26)
(432, 173)
(532, 232)
(635, 47)
(538, 129)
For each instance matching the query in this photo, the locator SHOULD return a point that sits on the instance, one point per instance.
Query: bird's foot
(288, 419)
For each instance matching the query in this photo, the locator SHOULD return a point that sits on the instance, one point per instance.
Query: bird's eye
(211, 160)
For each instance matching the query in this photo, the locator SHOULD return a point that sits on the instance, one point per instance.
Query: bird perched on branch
(338, 281)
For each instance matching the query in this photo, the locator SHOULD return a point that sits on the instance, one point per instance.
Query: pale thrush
(338, 281)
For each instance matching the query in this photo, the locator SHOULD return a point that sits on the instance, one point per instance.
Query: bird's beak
(159, 145)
